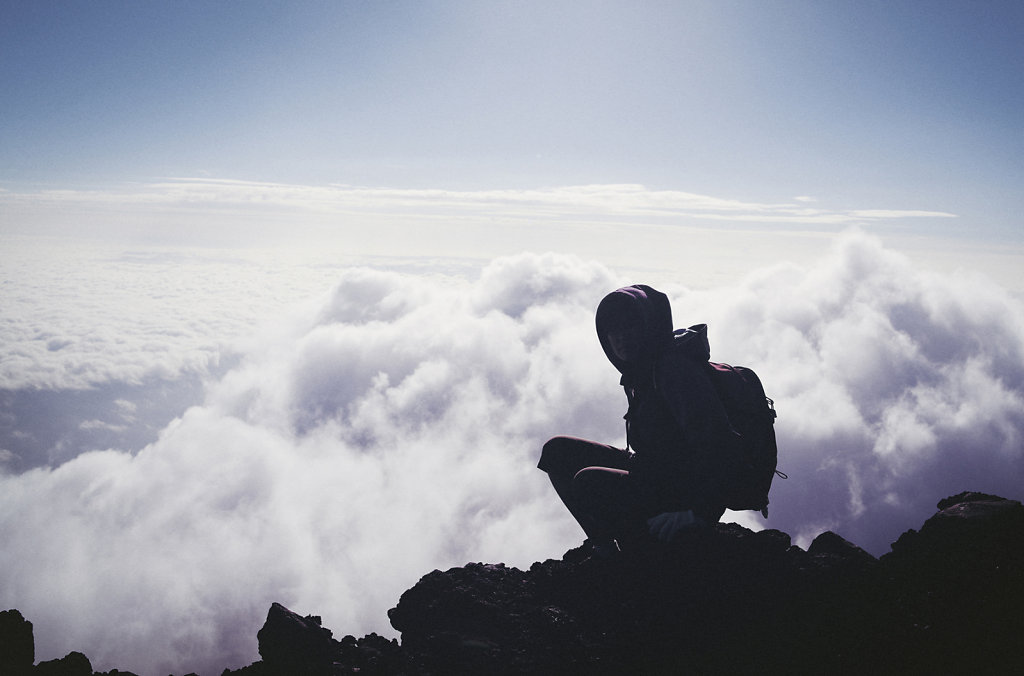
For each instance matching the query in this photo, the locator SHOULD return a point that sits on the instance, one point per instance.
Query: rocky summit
(720, 600)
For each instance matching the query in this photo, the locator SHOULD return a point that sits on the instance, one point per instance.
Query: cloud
(392, 427)
(84, 315)
(895, 386)
(875, 214)
(602, 202)
(388, 430)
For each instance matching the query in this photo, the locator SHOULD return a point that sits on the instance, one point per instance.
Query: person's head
(633, 324)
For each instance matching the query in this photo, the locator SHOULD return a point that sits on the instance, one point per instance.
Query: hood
(643, 305)
(692, 342)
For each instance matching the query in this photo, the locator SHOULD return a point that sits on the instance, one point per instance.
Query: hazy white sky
(295, 291)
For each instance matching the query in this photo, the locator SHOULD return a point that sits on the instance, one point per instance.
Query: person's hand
(667, 525)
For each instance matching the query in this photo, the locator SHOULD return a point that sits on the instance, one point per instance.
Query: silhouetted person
(678, 437)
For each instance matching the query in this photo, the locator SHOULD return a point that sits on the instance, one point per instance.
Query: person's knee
(586, 482)
(556, 444)
(600, 483)
(551, 453)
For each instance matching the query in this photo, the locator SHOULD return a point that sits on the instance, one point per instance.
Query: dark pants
(593, 481)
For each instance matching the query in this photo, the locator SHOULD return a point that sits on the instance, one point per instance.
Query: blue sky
(868, 105)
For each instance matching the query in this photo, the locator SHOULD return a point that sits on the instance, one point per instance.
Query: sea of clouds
(329, 457)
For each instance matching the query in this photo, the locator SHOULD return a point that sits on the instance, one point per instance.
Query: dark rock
(291, 644)
(967, 497)
(957, 587)
(844, 557)
(372, 654)
(72, 664)
(727, 600)
(659, 609)
(718, 600)
(17, 644)
(971, 530)
(830, 544)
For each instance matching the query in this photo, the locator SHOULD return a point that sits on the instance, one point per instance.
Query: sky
(293, 293)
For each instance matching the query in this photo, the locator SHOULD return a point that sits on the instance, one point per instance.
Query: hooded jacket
(676, 423)
(639, 305)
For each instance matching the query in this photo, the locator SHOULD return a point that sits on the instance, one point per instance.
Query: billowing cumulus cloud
(895, 386)
(392, 427)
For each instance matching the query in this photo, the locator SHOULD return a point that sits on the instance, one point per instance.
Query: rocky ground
(724, 600)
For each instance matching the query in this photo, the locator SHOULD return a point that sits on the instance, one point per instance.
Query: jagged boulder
(289, 643)
(658, 609)
(292, 645)
(967, 526)
(17, 643)
(72, 664)
(721, 600)
(727, 600)
(957, 588)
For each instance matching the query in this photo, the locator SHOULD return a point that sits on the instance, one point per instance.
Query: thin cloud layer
(85, 315)
(393, 426)
(599, 202)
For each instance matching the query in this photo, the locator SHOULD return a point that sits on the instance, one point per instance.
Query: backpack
(751, 414)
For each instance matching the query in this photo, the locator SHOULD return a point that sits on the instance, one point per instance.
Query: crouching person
(672, 475)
